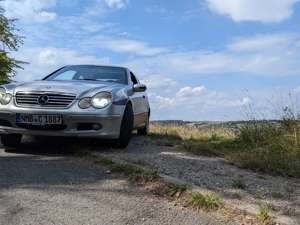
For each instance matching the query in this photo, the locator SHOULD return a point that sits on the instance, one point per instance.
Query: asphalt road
(41, 183)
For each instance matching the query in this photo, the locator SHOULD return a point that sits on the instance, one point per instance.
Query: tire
(145, 130)
(11, 140)
(126, 127)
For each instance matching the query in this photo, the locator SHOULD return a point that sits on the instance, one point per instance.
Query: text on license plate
(39, 119)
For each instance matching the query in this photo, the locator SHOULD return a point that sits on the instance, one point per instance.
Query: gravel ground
(43, 185)
(217, 175)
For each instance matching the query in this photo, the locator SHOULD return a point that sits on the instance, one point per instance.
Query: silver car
(81, 100)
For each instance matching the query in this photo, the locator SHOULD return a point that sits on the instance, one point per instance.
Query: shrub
(270, 146)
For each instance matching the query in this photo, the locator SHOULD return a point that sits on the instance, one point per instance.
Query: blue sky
(201, 59)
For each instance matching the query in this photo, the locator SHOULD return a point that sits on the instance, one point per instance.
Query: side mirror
(139, 88)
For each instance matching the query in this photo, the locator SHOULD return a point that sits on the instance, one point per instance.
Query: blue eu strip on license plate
(38, 119)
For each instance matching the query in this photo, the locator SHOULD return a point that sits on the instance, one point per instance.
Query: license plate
(39, 119)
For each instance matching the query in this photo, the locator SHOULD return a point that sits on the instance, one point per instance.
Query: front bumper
(109, 119)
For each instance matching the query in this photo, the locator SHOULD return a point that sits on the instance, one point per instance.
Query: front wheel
(126, 127)
(11, 140)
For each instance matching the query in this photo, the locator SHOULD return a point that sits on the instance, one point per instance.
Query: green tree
(9, 41)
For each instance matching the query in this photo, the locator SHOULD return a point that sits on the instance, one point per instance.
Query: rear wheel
(145, 130)
(11, 140)
(126, 127)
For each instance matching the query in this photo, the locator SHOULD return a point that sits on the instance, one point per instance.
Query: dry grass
(204, 141)
(263, 146)
(204, 201)
(264, 215)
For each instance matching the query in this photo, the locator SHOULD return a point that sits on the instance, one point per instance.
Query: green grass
(239, 184)
(203, 201)
(277, 195)
(135, 173)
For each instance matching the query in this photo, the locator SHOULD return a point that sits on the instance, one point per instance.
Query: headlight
(85, 103)
(5, 98)
(101, 100)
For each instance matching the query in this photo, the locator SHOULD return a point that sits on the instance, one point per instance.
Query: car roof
(107, 66)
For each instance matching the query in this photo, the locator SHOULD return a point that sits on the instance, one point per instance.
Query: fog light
(97, 127)
(89, 126)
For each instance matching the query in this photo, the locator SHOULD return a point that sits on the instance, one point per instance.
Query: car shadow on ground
(58, 146)
(49, 162)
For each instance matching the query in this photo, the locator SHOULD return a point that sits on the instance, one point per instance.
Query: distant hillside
(209, 123)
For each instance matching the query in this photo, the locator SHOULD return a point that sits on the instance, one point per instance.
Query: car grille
(54, 100)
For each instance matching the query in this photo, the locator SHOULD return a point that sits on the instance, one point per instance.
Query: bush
(257, 133)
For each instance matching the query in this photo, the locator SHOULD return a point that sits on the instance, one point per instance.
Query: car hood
(74, 87)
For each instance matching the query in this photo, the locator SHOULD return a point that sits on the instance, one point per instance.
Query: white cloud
(161, 102)
(189, 62)
(198, 103)
(30, 10)
(297, 90)
(265, 103)
(158, 82)
(190, 91)
(116, 4)
(124, 45)
(253, 10)
(245, 101)
(46, 60)
(260, 55)
(262, 42)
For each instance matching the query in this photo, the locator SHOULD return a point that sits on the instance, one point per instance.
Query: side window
(133, 78)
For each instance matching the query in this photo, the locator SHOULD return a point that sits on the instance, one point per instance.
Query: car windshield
(93, 73)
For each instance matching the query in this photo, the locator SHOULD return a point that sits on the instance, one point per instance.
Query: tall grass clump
(270, 146)
(203, 201)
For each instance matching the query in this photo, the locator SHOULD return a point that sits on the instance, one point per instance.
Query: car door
(139, 107)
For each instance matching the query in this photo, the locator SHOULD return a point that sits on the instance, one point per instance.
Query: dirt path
(42, 185)
(242, 188)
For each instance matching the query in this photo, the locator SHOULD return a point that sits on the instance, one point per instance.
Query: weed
(239, 184)
(236, 195)
(135, 173)
(264, 214)
(208, 201)
(259, 195)
(277, 195)
(104, 162)
(176, 190)
(140, 162)
(144, 176)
